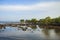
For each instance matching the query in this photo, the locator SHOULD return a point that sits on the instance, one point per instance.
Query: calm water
(28, 33)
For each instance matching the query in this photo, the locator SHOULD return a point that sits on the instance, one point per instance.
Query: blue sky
(14, 10)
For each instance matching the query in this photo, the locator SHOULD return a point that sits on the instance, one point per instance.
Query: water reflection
(23, 28)
(46, 32)
(57, 31)
(32, 32)
(2, 28)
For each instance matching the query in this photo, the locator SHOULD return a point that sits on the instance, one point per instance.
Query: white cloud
(48, 8)
(38, 6)
(38, 10)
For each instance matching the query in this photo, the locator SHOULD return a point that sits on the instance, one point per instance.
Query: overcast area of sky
(14, 10)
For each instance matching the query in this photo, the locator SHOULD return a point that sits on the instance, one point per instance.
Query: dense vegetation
(45, 21)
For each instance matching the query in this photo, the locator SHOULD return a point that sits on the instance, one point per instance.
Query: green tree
(33, 21)
(28, 21)
(22, 20)
(41, 22)
(57, 20)
(47, 20)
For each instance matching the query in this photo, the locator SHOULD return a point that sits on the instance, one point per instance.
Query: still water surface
(28, 33)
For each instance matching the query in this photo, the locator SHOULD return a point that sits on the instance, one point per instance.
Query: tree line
(45, 21)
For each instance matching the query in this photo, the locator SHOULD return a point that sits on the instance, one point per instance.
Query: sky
(14, 10)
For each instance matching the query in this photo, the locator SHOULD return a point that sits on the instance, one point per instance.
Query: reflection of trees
(57, 31)
(46, 32)
(1, 26)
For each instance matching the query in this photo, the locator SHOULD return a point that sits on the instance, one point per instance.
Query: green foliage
(57, 20)
(33, 21)
(22, 20)
(46, 21)
(28, 21)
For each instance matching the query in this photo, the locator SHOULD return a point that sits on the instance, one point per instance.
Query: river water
(28, 33)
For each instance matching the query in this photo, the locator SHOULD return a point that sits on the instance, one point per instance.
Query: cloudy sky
(14, 10)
